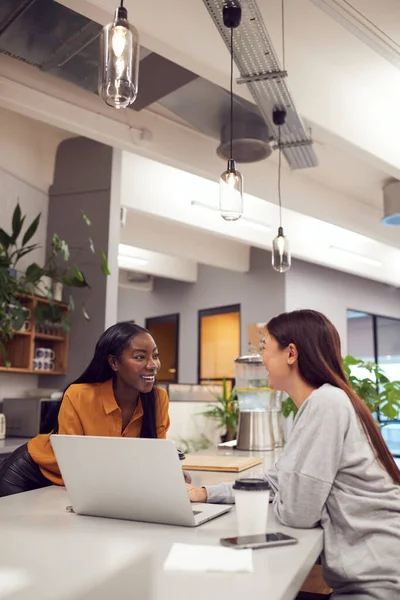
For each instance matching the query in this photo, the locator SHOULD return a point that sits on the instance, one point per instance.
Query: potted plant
(14, 246)
(225, 411)
(58, 269)
(381, 395)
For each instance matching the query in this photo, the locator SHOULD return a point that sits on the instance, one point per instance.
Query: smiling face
(138, 364)
(280, 363)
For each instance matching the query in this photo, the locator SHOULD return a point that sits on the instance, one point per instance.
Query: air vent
(250, 140)
(391, 204)
(136, 281)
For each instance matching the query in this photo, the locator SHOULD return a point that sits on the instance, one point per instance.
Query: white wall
(28, 149)
(260, 294)
(27, 157)
(333, 293)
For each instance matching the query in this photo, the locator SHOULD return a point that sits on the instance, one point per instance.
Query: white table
(36, 529)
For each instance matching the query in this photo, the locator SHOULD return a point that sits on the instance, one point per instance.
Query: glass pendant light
(231, 180)
(281, 259)
(119, 61)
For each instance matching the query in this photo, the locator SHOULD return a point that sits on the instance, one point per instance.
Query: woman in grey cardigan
(336, 470)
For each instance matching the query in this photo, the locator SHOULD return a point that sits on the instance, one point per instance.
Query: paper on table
(217, 559)
(12, 580)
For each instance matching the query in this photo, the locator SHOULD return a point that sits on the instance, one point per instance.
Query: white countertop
(41, 539)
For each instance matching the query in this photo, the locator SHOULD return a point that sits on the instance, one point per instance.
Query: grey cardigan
(328, 476)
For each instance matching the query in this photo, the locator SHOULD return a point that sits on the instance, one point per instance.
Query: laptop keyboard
(197, 512)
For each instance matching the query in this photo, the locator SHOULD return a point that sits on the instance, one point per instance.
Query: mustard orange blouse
(91, 409)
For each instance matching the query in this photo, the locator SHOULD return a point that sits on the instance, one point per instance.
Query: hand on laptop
(187, 477)
(196, 494)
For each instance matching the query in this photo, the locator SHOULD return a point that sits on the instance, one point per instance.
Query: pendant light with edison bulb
(231, 180)
(119, 61)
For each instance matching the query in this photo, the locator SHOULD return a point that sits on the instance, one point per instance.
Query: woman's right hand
(196, 494)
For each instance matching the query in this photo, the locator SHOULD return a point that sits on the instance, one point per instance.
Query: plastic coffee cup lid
(251, 485)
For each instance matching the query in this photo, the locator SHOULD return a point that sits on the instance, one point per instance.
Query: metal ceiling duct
(391, 204)
(259, 68)
(250, 141)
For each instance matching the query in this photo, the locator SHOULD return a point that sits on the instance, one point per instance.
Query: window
(219, 343)
(165, 331)
(377, 339)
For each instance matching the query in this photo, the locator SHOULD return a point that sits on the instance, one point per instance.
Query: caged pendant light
(231, 180)
(119, 61)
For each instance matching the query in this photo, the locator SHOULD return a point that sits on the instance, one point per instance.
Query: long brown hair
(320, 361)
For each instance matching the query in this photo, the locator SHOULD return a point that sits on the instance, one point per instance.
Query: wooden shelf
(46, 336)
(30, 371)
(13, 370)
(37, 372)
(41, 300)
(20, 349)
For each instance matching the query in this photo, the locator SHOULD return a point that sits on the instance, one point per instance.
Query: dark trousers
(20, 473)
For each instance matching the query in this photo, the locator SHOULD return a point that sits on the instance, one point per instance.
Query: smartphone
(265, 540)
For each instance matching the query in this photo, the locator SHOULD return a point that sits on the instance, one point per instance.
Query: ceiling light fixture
(138, 261)
(363, 28)
(281, 258)
(342, 252)
(259, 68)
(245, 220)
(127, 251)
(231, 180)
(119, 61)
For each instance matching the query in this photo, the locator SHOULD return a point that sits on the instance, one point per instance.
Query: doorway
(219, 343)
(165, 331)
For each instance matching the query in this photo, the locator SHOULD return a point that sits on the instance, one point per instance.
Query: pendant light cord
(279, 175)
(283, 35)
(231, 92)
(280, 126)
(122, 4)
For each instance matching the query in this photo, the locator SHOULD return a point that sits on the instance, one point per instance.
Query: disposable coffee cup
(251, 499)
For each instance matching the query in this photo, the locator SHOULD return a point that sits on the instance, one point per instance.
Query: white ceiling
(344, 90)
(337, 81)
(385, 15)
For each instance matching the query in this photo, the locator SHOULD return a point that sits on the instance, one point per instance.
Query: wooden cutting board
(229, 464)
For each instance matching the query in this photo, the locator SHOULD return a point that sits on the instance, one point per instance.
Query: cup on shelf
(26, 326)
(38, 364)
(43, 364)
(45, 353)
(251, 499)
(48, 365)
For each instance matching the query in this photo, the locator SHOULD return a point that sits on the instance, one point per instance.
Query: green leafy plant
(61, 266)
(225, 411)
(375, 389)
(13, 247)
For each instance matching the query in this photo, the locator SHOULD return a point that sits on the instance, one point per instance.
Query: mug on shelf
(45, 353)
(48, 365)
(26, 326)
(42, 364)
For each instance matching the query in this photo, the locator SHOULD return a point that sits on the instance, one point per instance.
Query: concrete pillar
(86, 178)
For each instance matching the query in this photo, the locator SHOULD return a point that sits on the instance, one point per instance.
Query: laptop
(128, 478)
